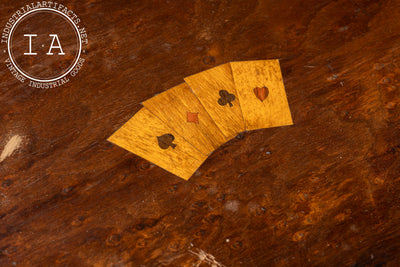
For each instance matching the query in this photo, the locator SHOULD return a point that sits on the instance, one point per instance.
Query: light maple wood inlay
(274, 109)
(141, 135)
(207, 86)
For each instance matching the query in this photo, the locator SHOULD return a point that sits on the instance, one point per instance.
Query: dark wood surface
(323, 192)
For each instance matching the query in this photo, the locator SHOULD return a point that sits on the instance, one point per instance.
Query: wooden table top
(323, 192)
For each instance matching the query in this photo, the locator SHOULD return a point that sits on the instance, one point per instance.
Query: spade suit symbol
(165, 141)
(226, 98)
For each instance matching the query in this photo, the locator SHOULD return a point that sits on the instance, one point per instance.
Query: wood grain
(206, 86)
(172, 106)
(139, 136)
(274, 110)
(323, 192)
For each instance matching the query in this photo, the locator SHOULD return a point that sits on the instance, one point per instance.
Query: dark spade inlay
(165, 141)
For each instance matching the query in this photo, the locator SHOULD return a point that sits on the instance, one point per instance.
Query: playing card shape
(273, 109)
(216, 91)
(172, 107)
(148, 137)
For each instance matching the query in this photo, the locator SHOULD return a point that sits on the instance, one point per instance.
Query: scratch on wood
(206, 258)
(12, 145)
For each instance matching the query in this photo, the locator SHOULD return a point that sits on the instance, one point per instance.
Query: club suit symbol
(226, 98)
(165, 141)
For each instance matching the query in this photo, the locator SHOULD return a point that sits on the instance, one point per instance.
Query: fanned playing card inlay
(230, 98)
